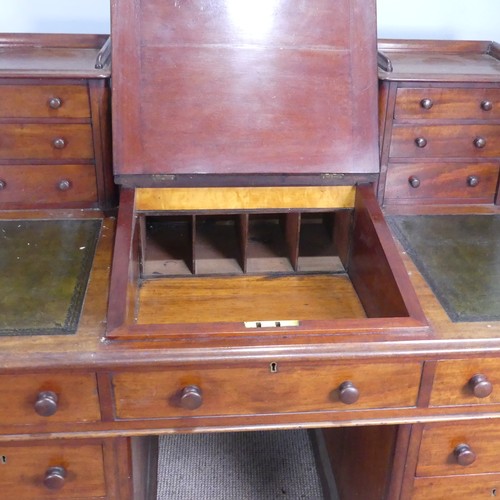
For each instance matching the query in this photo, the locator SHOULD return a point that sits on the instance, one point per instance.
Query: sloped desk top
(293, 93)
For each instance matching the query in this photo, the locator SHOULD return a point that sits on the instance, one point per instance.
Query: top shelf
(54, 56)
(439, 61)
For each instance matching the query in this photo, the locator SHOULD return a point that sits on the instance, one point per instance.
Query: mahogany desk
(413, 417)
(409, 391)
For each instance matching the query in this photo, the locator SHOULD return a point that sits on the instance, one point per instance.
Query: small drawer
(42, 141)
(444, 103)
(466, 382)
(460, 182)
(35, 185)
(52, 470)
(458, 448)
(35, 399)
(268, 388)
(477, 487)
(44, 101)
(451, 141)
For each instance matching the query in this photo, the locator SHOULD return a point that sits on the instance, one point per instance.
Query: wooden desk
(403, 413)
(112, 395)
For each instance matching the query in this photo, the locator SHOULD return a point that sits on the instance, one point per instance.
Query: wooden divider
(241, 243)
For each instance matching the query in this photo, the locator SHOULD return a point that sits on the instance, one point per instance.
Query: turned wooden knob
(191, 397)
(472, 180)
(479, 142)
(421, 142)
(46, 403)
(426, 103)
(64, 185)
(464, 455)
(348, 393)
(486, 105)
(55, 478)
(59, 143)
(414, 181)
(480, 386)
(55, 103)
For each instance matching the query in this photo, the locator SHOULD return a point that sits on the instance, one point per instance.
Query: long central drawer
(265, 388)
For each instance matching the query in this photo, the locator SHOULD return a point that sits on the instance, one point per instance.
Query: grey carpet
(264, 465)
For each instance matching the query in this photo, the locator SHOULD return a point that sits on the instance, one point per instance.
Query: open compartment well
(240, 261)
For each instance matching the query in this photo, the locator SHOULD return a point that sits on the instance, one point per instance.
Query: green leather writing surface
(459, 256)
(44, 270)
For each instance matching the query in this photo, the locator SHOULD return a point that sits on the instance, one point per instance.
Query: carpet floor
(263, 465)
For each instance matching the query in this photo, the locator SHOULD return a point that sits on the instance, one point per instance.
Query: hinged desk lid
(234, 87)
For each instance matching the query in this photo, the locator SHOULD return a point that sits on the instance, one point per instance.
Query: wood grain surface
(247, 298)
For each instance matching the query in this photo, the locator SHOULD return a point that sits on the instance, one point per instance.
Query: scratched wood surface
(248, 298)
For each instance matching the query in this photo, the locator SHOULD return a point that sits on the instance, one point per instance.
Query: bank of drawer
(268, 388)
(466, 182)
(20, 141)
(477, 487)
(455, 448)
(444, 103)
(46, 184)
(35, 399)
(44, 101)
(466, 382)
(450, 141)
(47, 470)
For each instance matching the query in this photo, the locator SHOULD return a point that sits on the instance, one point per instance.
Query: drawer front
(457, 448)
(44, 184)
(466, 382)
(45, 399)
(281, 387)
(451, 141)
(466, 182)
(442, 103)
(44, 141)
(46, 470)
(44, 101)
(477, 487)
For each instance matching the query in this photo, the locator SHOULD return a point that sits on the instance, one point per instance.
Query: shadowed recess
(44, 270)
(459, 256)
(262, 465)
